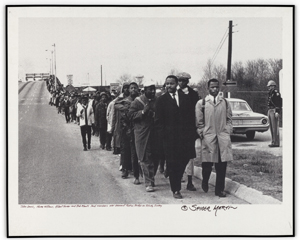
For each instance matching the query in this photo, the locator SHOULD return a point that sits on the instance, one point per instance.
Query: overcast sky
(148, 46)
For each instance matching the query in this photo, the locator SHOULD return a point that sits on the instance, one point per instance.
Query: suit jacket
(176, 126)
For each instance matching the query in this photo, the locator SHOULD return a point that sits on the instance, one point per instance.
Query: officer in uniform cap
(183, 80)
(275, 105)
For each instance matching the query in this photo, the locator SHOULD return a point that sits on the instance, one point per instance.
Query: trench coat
(216, 129)
(176, 126)
(143, 125)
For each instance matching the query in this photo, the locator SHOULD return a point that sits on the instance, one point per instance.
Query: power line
(220, 45)
(220, 42)
(219, 50)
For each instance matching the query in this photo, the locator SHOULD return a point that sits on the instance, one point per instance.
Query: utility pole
(101, 75)
(55, 66)
(229, 56)
(52, 60)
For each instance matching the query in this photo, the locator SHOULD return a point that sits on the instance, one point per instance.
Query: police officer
(274, 104)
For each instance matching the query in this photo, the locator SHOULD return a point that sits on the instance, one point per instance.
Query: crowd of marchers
(156, 132)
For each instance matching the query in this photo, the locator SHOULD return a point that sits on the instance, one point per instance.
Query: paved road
(53, 169)
(259, 143)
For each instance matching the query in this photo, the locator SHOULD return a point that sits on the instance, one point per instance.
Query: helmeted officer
(275, 105)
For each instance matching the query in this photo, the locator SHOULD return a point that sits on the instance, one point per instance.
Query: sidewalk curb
(241, 191)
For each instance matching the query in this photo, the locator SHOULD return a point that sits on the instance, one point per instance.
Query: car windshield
(239, 106)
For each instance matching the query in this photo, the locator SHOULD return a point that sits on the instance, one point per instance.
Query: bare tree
(208, 71)
(174, 71)
(275, 65)
(219, 72)
(124, 78)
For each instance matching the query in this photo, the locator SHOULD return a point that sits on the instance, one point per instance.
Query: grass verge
(256, 169)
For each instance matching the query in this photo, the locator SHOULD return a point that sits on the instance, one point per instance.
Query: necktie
(85, 116)
(214, 100)
(173, 94)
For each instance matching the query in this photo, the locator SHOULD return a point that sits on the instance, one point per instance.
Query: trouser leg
(125, 152)
(221, 174)
(67, 114)
(206, 171)
(134, 160)
(83, 135)
(175, 174)
(108, 140)
(89, 133)
(147, 166)
(182, 166)
(271, 117)
(102, 136)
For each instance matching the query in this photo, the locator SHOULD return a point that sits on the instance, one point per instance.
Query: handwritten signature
(216, 208)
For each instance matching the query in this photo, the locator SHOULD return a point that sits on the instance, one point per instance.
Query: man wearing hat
(175, 118)
(183, 80)
(127, 147)
(142, 113)
(86, 119)
(275, 105)
(101, 121)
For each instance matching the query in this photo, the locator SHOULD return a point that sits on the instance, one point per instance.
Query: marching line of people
(154, 132)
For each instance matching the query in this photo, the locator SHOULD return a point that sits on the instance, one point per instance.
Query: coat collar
(208, 99)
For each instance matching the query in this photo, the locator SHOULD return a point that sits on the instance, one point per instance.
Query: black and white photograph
(132, 116)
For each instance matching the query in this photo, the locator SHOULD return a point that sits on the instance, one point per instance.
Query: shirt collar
(175, 94)
(211, 97)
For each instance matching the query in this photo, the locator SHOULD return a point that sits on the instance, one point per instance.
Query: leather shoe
(136, 181)
(177, 195)
(221, 194)
(273, 145)
(89, 146)
(85, 149)
(205, 187)
(152, 184)
(124, 174)
(149, 189)
(190, 187)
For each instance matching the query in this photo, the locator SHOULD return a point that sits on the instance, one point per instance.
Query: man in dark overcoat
(183, 81)
(175, 118)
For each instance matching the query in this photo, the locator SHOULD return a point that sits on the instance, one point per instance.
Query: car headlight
(264, 121)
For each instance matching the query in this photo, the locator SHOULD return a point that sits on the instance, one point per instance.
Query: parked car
(244, 120)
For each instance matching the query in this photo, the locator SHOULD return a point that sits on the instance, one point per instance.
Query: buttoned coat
(216, 127)
(176, 126)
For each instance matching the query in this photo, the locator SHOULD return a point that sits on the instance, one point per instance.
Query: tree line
(251, 77)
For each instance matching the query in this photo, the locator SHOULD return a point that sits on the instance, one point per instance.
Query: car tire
(250, 135)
